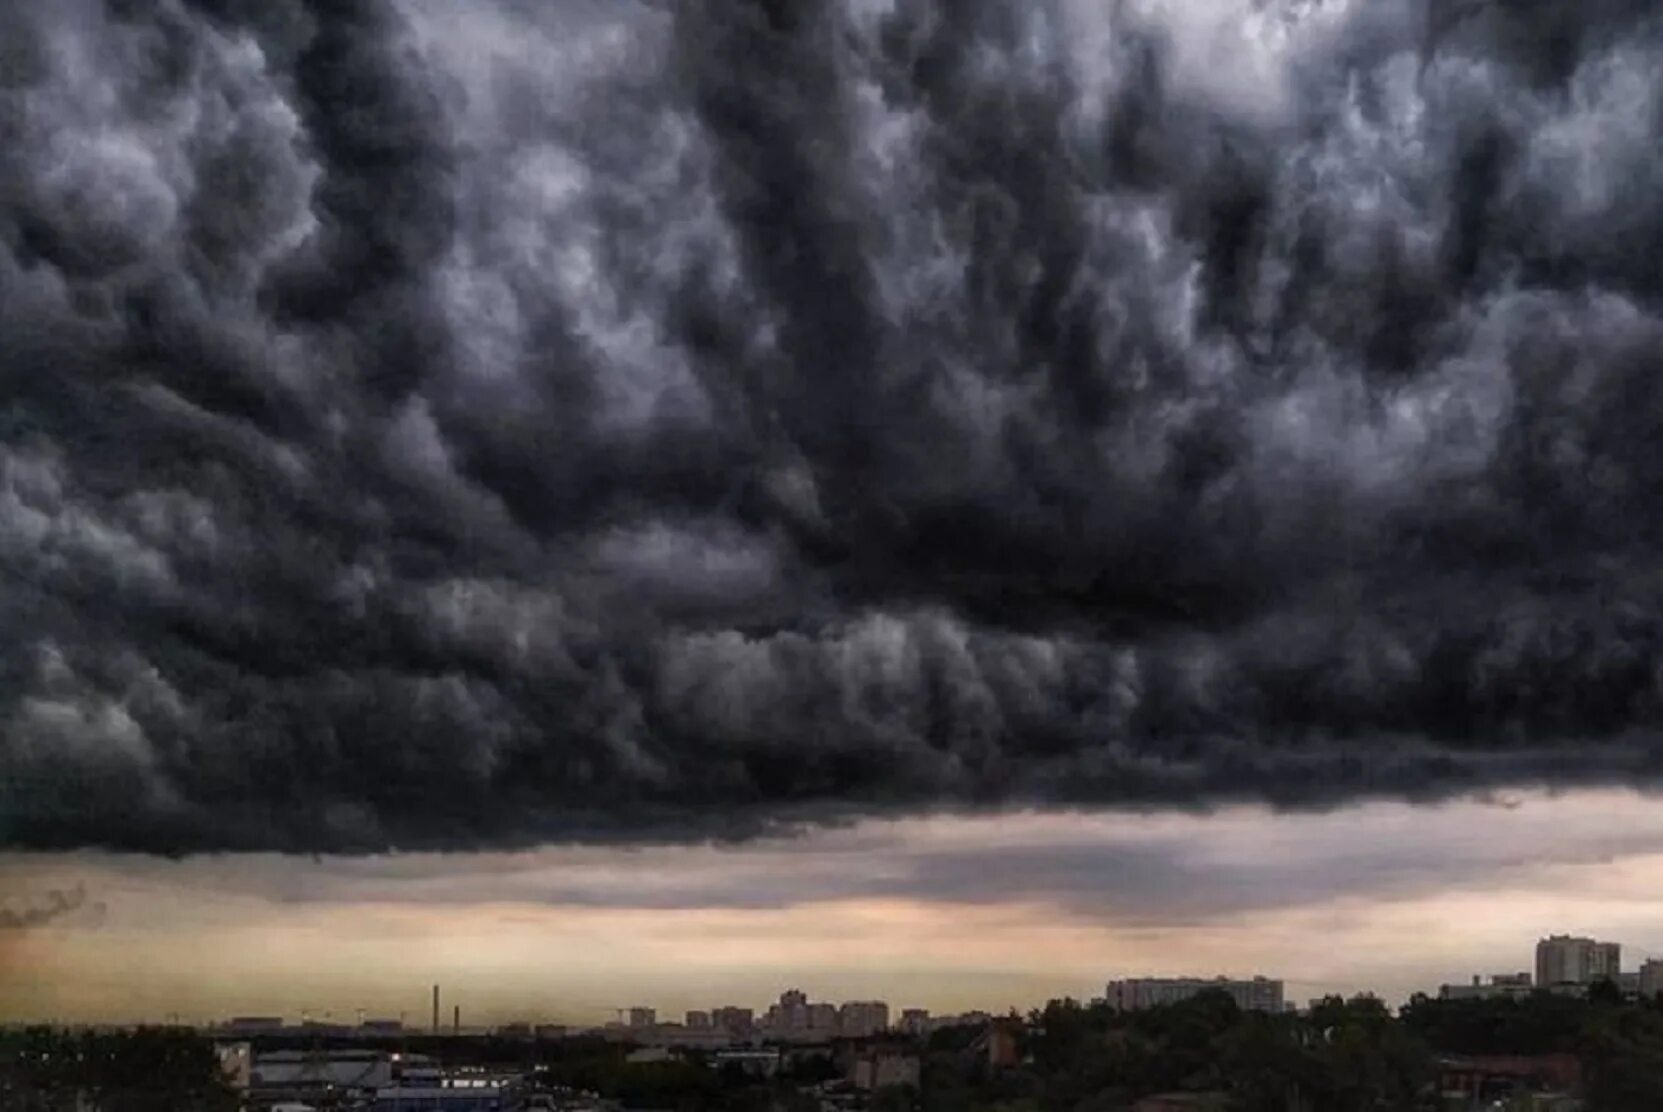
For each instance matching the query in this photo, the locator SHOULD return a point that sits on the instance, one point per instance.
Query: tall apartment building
(1260, 994)
(1651, 979)
(1562, 959)
(790, 1017)
(860, 1018)
(915, 1021)
(735, 1021)
(822, 1020)
(642, 1017)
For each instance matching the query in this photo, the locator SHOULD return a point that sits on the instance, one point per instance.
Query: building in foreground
(881, 1067)
(312, 1077)
(1562, 959)
(1261, 994)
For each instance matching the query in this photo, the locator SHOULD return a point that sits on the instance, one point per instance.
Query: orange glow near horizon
(558, 935)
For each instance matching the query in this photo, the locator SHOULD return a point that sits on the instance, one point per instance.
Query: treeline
(147, 1070)
(1341, 1056)
(690, 1085)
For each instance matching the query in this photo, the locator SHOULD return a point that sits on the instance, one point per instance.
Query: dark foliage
(148, 1070)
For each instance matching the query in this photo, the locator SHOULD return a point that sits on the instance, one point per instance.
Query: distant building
(642, 1017)
(861, 1019)
(822, 1020)
(964, 1019)
(1651, 978)
(1629, 984)
(789, 1018)
(735, 1021)
(254, 1025)
(914, 1021)
(381, 1027)
(1508, 985)
(698, 1021)
(1134, 994)
(1562, 959)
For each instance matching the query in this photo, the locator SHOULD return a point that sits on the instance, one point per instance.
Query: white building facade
(1261, 994)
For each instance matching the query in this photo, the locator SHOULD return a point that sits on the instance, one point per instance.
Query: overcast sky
(462, 428)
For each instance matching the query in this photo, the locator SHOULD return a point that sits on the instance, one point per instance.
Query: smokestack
(435, 1009)
(456, 1020)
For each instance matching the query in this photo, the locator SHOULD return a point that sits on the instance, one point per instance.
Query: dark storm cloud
(439, 425)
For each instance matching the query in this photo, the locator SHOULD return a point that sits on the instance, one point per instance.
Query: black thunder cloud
(434, 425)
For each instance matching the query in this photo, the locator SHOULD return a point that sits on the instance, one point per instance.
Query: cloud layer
(946, 912)
(59, 902)
(436, 426)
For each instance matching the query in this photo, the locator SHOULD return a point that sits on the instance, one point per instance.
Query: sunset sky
(603, 501)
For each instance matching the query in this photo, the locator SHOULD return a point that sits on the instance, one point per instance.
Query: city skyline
(917, 912)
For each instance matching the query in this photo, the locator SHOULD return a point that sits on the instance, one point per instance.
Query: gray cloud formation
(1125, 871)
(59, 903)
(444, 425)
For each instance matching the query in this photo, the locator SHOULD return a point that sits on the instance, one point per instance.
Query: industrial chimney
(435, 1009)
(456, 1021)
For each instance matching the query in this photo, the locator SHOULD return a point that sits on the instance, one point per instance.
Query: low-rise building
(308, 1076)
(1477, 1079)
(1259, 994)
(882, 1067)
(1499, 985)
(254, 1025)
